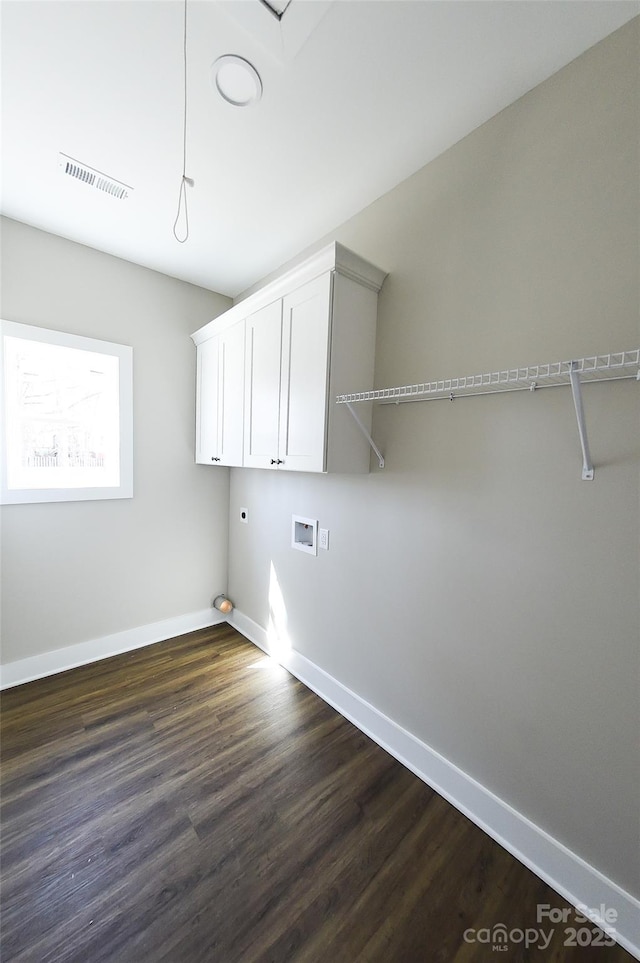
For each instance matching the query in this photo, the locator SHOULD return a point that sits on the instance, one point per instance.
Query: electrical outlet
(323, 538)
(244, 515)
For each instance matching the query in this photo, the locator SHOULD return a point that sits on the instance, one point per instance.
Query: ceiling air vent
(92, 177)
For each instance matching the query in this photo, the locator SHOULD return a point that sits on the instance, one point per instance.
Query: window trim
(124, 355)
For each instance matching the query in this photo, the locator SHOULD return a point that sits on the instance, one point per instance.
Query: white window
(67, 418)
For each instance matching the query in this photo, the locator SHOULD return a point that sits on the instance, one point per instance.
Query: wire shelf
(603, 367)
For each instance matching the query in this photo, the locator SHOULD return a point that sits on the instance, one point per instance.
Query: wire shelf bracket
(616, 366)
(576, 390)
(364, 431)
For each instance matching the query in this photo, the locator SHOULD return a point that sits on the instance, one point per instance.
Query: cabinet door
(207, 402)
(231, 395)
(262, 386)
(306, 320)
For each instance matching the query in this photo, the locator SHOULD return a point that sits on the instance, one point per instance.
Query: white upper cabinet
(304, 376)
(220, 397)
(207, 401)
(270, 392)
(262, 386)
(231, 394)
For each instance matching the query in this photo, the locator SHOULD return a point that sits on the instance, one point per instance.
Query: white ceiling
(357, 96)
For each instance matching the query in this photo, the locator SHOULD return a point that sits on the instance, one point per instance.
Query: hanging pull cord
(182, 206)
(182, 194)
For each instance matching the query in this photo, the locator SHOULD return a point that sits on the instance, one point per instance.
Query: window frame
(124, 356)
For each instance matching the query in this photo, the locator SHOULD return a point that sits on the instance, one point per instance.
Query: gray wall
(75, 571)
(477, 591)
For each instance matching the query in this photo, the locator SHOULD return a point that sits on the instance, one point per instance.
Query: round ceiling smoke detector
(236, 80)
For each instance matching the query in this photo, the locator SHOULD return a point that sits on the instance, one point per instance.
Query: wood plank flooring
(192, 803)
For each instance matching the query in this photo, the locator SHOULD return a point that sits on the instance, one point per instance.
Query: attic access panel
(281, 27)
(276, 7)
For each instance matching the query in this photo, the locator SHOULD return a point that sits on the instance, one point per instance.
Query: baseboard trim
(59, 660)
(571, 876)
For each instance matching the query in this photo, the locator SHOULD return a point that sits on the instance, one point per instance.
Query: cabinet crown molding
(333, 257)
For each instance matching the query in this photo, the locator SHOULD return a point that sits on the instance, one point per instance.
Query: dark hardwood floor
(187, 802)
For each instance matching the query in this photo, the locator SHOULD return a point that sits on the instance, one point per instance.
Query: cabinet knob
(273, 461)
